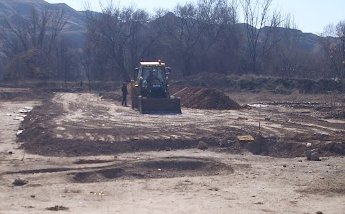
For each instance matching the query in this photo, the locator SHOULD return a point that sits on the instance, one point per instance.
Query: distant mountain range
(75, 27)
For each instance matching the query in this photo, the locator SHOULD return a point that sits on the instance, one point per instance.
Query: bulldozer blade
(159, 105)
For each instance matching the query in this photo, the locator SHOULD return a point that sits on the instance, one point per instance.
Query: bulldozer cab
(152, 79)
(153, 72)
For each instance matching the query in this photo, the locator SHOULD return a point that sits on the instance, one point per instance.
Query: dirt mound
(111, 96)
(204, 98)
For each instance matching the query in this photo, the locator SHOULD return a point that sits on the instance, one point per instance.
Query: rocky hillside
(74, 29)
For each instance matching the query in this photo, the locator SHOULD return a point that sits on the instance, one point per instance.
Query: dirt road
(175, 181)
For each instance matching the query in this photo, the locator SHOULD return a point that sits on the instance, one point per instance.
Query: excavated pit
(160, 168)
(84, 161)
(175, 165)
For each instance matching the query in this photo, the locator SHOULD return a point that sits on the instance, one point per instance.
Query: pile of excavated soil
(111, 96)
(204, 98)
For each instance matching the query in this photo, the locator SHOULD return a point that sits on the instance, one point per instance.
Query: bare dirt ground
(81, 154)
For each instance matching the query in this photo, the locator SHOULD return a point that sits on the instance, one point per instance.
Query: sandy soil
(89, 112)
(83, 124)
(176, 181)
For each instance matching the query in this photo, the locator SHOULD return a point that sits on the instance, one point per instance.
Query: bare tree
(63, 60)
(119, 34)
(341, 35)
(144, 36)
(38, 32)
(86, 60)
(218, 19)
(278, 39)
(197, 29)
(215, 16)
(333, 42)
(256, 16)
(187, 33)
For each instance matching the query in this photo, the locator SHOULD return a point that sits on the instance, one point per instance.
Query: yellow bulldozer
(149, 90)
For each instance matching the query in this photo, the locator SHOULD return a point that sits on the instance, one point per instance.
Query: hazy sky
(310, 15)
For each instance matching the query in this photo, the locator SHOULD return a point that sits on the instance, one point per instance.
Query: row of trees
(32, 47)
(201, 37)
(334, 49)
(206, 36)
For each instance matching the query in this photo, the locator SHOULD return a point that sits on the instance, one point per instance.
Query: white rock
(23, 111)
(257, 105)
(19, 118)
(19, 132)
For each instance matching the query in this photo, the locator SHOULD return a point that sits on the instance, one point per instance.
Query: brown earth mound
(111, 96)
(204, 98)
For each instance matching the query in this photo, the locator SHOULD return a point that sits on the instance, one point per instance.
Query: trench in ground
(155, 168)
